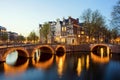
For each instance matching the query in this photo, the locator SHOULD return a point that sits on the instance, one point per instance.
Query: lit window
(63, 28)
(82, 32)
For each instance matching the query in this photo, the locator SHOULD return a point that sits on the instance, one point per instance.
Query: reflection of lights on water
(96, 58)
(60, 63)
(43, 65)
(60, 66)
(110, 55)
(12, 58)
(82, 60)
(79, 67)
(12, 70)
(87, 62)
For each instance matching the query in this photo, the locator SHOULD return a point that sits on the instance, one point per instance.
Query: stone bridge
(30, 50)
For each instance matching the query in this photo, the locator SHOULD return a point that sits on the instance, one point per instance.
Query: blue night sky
(24, 16)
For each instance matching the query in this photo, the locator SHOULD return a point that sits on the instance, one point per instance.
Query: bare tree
(93, 23)
(116, 16)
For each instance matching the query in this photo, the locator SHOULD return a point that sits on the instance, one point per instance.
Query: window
(63, 28)
(72, 41)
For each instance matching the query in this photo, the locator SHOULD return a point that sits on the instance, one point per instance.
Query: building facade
(3, 34)
(68, 31)
(7, 36)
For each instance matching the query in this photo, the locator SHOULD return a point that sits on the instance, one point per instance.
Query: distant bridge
(29, 50)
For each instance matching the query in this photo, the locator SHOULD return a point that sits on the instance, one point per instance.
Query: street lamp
(40, 27)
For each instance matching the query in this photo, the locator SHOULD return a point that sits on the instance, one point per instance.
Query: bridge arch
(21, 52)
(42, 46)
(60, 48)
(108, 48)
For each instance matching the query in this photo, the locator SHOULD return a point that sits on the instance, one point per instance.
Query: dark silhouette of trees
(32, 37)
(94, 24)
(44, 31)
(20, 38)
(116, 16)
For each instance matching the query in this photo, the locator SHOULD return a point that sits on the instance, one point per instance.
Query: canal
(67, 66)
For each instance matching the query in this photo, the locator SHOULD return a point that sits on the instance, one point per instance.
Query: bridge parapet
(115, 48)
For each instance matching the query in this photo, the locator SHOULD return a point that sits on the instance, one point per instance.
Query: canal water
(68, 66)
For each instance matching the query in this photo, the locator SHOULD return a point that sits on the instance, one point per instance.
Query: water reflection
(99, 59)
(42, 60)
(83, 63)
(15, 64)
(43, 65)
(87, 62)
(60, 64)
(79, 67)
(37, 55)
(113, 71)
(12, 70)
(70, 66)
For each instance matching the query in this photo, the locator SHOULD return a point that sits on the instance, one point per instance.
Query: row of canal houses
(67, 31)
(7, 35)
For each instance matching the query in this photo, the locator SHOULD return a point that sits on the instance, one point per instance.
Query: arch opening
(60, 51)
(101, 50)
(16, 57)
(42, 54)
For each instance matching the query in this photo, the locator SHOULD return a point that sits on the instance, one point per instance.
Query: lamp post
(40, 27)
